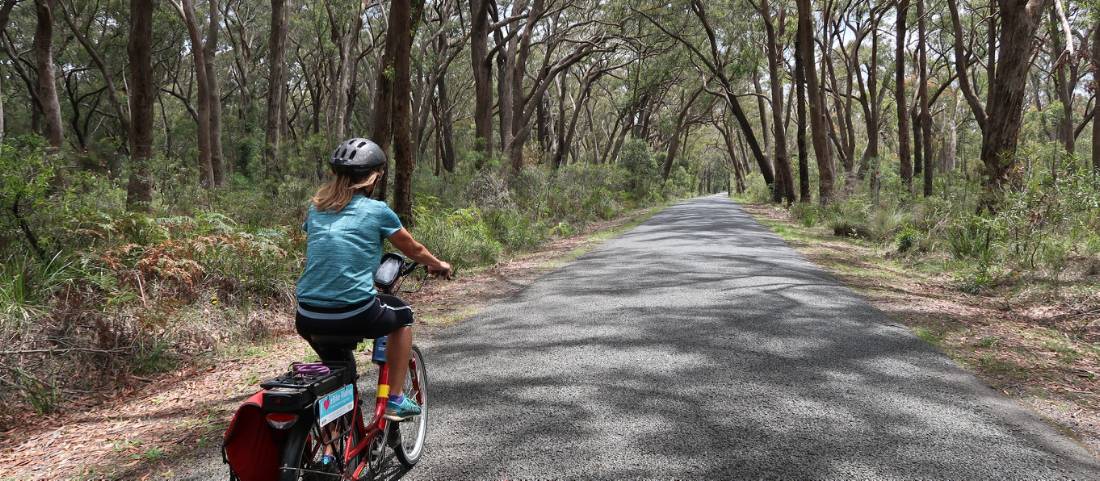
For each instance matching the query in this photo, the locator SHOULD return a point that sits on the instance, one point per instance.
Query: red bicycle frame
(378, 425)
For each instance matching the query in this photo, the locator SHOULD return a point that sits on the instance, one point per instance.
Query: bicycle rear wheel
(412, 432)
(301, 460)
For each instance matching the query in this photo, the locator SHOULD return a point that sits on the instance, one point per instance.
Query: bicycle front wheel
(412, 432)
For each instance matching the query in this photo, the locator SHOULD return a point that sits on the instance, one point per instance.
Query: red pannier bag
(251, 447)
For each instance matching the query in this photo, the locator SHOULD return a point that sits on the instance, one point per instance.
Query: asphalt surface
(700, 346)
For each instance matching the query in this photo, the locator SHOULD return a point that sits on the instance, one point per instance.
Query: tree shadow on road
(699, 346)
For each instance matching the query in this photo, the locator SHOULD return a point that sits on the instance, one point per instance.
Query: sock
(397, 398)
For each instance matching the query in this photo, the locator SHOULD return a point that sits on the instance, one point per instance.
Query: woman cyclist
(336, 296)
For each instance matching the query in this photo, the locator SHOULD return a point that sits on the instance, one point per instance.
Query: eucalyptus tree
(700, 39)
(274, 118)
(45, 69)
(139, 188)
(817, 110)
(775, 28)
(1019, 20)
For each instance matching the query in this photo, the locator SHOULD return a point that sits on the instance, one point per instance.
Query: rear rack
(297, 389)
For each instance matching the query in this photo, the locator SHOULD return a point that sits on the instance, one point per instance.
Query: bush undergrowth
(1046, 229)
(91, 293)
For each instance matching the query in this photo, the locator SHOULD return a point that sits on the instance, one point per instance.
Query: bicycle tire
(409, 453)
(301, 439)
(297, 441)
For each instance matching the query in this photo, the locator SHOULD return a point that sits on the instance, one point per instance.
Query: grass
(149, 455)
(451, 316)
(988, 342)
(929, 336)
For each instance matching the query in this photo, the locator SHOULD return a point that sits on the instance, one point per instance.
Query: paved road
(700, 346)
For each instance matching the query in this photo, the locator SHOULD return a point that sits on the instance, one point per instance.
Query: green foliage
(26, 285)
(461, 236)
(641, 166)
(971, 238)
(43, 396)
(1042, 227)
(907, 238)
(850, 218)
(808, 215)
(514, 230)
(155, 358)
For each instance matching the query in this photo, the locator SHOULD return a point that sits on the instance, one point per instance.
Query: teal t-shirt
(342, 251)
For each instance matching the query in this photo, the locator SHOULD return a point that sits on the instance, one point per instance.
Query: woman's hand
(443, 270)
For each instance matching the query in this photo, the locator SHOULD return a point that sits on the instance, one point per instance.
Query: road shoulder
(1009, 346)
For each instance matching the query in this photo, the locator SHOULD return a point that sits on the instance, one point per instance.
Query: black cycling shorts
(367, 320)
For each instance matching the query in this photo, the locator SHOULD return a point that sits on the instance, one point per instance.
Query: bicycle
(317, 405)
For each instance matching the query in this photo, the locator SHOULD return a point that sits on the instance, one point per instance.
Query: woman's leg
(397, 320)
(398, 345)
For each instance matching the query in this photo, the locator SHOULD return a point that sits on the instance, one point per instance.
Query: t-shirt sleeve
(390, 223)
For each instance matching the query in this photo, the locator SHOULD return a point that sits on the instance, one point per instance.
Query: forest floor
(1037, 346)
(140, 432)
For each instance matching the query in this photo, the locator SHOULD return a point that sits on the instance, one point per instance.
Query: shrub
(807, 214)
(907, 238)
(971, 238)
(849, 218)
(461, 236)
(514, 230)
(640, 165)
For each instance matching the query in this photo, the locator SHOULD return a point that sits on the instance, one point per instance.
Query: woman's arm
(416, 251)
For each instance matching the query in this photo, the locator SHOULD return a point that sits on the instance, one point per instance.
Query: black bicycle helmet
(357, 158)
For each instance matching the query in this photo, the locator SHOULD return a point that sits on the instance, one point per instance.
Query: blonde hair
(336, 193)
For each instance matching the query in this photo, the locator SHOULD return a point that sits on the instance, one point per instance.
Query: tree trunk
(1096, 87)
(383, 116)
(900, 99)
(198, 53)
(804, 194)
(444, 127)
(404, 16)
(674, 143)
(139, 188)
(1019, 22)
(217, 162)
(47, 88)
(542, 117)
(762, 111)
(5, 15)
(784, 181)
(872, 111)
(516, 107)
(276, 89)
(2, 125)
(918, 140)
(922, 93)
(1063, 84)
(483, 82)
(962, 65)
(817, 104)
(346, 38)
